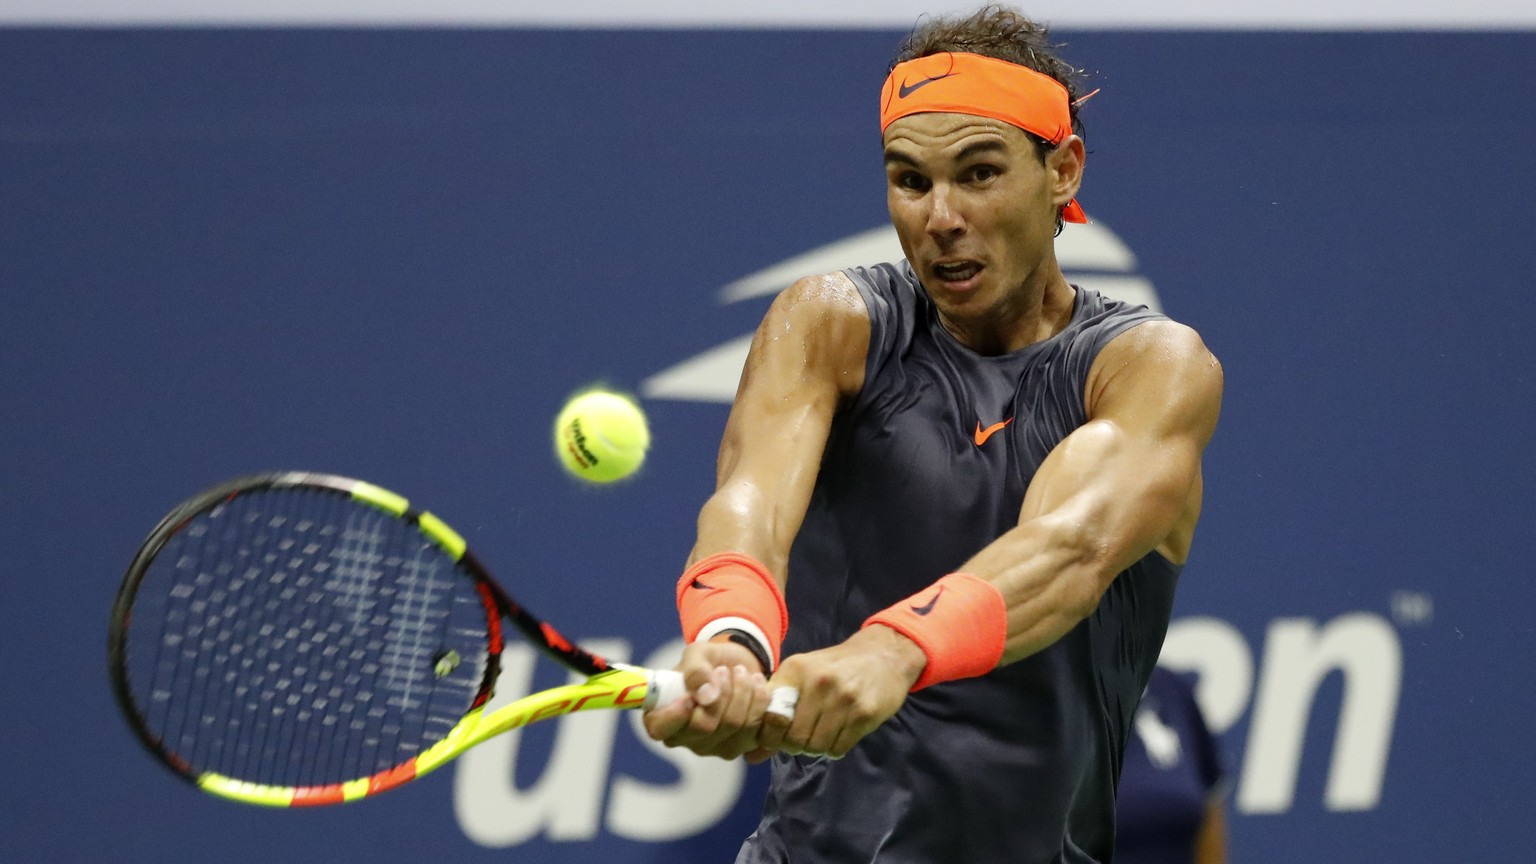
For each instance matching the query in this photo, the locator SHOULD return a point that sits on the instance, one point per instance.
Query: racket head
(300, 638)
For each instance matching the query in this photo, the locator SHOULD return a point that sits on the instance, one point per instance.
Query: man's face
(975, 209)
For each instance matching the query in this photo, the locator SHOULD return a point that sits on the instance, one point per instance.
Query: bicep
(806, 357)
(1128, 476)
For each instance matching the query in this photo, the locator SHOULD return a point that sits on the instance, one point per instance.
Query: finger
(735, 713)
(712, 699)
(816, 740)
(777, 718)
(783, 702)
(836, 733)
(792, 742)
(713, 686)
(733, 706)
(666, 721)
(753, 689)
(849, 736)
(695, 666)
(804, 708)
(810, 715)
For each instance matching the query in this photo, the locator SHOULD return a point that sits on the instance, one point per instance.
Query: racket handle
(665, 688)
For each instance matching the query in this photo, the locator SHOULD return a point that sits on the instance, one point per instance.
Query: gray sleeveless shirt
(1018, 765)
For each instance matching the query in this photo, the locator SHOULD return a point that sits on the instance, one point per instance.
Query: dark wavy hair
(1002, 33)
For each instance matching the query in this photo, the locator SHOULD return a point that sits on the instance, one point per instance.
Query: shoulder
(1161, 348)
(823, 309)
(831, 295)
(1156, 338)
(821, 323)
(1157, 361)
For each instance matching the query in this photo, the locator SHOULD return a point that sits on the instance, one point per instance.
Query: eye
(912, 181)
(984, 173)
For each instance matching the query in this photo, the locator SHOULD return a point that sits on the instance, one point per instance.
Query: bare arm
(806, 358)
(1123, 484)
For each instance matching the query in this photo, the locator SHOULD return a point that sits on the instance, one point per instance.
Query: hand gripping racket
(299, 639)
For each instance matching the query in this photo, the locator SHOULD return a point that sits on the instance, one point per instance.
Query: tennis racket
(297, 639)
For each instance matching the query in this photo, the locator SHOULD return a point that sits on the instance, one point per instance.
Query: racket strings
(212, 623)
(295, 637)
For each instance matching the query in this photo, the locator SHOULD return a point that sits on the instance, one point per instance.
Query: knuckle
(864, 709)
(823, 680)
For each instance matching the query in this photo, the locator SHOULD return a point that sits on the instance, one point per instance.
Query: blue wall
(392, 254)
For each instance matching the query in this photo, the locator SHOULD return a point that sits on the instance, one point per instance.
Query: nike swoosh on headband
(905, 90)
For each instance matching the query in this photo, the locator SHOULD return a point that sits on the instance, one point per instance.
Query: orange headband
(963, 83)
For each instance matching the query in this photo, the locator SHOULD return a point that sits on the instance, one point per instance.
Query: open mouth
(957, 275)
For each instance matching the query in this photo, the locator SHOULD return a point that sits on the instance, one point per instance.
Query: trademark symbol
(1412, 608)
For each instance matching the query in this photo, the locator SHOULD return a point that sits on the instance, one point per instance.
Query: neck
(1037, 310)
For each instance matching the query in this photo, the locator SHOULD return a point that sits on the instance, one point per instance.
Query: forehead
(936, 134)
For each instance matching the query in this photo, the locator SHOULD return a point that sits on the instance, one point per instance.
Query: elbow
(732, 510)
(739, 516)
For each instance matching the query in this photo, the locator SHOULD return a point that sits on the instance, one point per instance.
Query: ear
(1066, 166)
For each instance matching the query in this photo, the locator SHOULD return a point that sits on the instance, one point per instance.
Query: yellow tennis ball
(601, 436)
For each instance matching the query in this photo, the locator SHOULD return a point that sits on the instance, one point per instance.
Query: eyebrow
(987, 146)
(968, 152)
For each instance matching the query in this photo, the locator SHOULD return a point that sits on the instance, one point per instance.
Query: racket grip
(666, 687)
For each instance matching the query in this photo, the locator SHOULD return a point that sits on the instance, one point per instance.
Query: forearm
(1101, 501)
(1037, 581)
(1051, 573)
(807, 357)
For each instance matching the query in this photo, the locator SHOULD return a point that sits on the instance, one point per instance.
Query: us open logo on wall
(1091, 255)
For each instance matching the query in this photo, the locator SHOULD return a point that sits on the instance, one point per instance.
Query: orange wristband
(960, 622)
(732, 591)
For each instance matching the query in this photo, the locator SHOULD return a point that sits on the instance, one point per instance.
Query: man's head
(1002, 33)
(982, 164)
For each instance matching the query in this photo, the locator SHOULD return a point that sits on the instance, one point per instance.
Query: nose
(944, 219)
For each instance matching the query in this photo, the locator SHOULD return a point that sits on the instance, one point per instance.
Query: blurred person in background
(1171, 805)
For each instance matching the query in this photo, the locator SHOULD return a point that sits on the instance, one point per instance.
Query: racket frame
(608, 685)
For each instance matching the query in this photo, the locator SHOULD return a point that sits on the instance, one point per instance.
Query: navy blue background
(392, 254)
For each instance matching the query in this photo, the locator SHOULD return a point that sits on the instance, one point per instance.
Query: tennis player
(954, 496)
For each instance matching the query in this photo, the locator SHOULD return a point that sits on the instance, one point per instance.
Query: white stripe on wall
(898, 14)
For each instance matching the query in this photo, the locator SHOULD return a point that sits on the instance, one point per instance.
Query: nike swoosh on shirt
(983, 434)
(700, 585)
(904, 91)
(927, 607)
